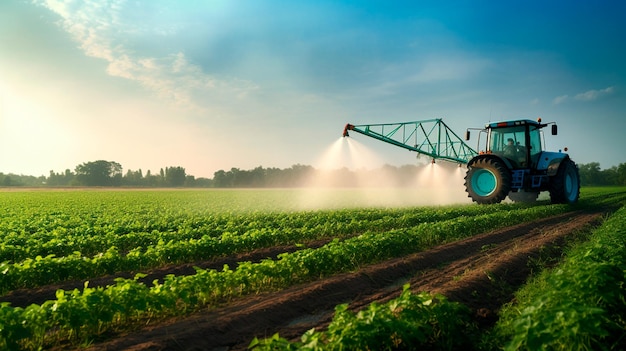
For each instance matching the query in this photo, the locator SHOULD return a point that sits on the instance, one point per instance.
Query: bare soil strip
(481, 271)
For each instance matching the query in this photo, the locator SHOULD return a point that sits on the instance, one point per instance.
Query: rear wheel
(565, 185)
(488, 181)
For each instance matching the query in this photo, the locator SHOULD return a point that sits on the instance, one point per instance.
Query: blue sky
(211, 85)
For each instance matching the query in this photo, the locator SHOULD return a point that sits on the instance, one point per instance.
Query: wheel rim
(484, 182)
(570, 185)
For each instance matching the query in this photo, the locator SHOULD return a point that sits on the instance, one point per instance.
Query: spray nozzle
(346, 128)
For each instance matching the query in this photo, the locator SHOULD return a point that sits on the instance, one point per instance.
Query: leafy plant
(580, 305)
(409, 322)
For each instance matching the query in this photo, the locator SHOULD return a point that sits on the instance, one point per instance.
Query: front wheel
(565, 185)
(488, 181)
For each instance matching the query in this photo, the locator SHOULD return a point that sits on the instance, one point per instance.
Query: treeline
(592, 175)
(110, 174)
(107, 174)
(303, 176)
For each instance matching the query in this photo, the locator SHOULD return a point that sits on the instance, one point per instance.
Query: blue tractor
(512, 163)
(515, 164)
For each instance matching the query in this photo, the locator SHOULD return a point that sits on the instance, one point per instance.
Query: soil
(482, 272)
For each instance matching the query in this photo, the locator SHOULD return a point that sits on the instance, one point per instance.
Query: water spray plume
(334, 156)
(359, 177)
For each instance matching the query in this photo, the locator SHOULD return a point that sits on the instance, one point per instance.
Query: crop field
(292, 269)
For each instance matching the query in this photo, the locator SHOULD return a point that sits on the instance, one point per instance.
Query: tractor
(512, 163)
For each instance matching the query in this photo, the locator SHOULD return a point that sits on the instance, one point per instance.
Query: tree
(60, 179)
(221, 179)
(99, 173)
(175, 176)
(150, 179)
(134, 178)
(202, 182)
(7, 181)
(621, 174)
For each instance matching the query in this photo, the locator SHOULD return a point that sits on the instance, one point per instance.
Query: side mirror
(554, 129)
(467, 135)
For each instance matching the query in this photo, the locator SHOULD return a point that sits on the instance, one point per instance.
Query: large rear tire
(488, 181)
(565, 185)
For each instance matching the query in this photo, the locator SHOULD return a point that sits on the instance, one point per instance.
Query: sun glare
(28, 133)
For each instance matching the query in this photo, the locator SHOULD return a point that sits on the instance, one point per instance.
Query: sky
(219, 84)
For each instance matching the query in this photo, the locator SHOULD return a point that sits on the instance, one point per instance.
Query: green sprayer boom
(429, 137)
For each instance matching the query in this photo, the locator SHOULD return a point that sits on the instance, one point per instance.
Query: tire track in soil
(472, 271)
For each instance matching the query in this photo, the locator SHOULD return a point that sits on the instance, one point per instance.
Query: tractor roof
(518, 122)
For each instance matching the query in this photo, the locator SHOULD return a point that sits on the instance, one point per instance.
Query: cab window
(503, 138)
(535, 141)
(535, 145)
(511, 144)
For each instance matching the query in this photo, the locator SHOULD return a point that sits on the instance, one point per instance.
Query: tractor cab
(519, 142)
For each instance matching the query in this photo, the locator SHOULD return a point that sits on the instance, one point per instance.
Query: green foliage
(52, 236)
(175, 176)
(581, 305)
(55, 236)
(409, 322)
(99, 173)
(592, 175)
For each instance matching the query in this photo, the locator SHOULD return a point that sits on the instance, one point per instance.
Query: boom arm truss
(429, 137)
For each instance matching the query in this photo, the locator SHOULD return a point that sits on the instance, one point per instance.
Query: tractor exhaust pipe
(346, 128)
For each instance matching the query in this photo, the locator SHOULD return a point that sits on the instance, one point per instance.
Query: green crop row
(67, 236)
(580, 305)
(409, 322)
(61, 223)
(227, 236)
(83, 314)
(127, 230)
(90, 222)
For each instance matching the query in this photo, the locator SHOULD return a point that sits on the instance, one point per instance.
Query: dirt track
(481, 271)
